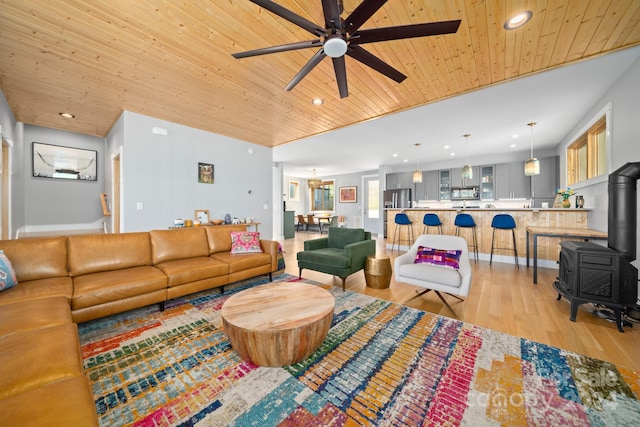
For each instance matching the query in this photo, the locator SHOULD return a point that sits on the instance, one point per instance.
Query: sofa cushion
(219, 237)
(92, 253)
(239, 262)
(189, 270)
(107, 286)
(328, 256)
(37, 258)
(34, 314)
(245, 242)
(40, 288)
(181, 243)
(443, 257)
(63, 403)
(35, 358)
(341, 237)
(7, 275)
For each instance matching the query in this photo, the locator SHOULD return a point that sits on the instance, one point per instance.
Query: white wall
(161, 173)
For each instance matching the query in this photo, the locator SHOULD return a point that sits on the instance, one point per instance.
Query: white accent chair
(435, 277)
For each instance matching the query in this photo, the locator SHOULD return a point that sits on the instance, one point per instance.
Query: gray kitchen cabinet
(456, 178)
(399, 180)
(487, 191)
(510, 181)
(428, 188)
(444, 185)
(546, 184)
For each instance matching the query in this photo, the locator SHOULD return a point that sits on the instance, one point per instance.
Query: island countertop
(548, 248)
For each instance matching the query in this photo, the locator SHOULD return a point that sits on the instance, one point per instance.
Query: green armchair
(342, 253)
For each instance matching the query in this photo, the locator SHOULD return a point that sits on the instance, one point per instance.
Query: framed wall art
(57, 161)
(205, 173)
(294, 190)
(348, 194)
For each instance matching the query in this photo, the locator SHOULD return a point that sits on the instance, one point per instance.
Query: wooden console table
(566, 233)
(278, 324)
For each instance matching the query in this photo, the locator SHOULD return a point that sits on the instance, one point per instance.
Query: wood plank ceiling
(171, 59)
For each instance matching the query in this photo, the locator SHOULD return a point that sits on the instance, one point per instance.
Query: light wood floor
(504, 299)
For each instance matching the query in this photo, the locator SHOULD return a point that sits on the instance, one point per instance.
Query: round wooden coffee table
(278, 324)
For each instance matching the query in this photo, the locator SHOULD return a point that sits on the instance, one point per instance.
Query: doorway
(371, 204)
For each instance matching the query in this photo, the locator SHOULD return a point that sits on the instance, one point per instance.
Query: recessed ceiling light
(67, 115)
(317, 101)
(453, 154)
(515, 136)
(513, 146)
(446, 147)
(395, 154)
(518, 20)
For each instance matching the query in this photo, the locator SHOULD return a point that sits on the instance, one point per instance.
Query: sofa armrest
(321, 243)
(359, 251)
(271, 247)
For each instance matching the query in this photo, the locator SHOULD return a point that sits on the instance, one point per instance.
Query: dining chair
(311, 222)
(302, 223)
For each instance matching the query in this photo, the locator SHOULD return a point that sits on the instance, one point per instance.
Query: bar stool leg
(515, 248)
(475, 243)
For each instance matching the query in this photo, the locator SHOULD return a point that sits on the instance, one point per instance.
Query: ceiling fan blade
(315, 60)
(280, 48)
(370, 60)
(361, 14)
(341, 76)
(290, 16)
(404, 32)
(331, 14)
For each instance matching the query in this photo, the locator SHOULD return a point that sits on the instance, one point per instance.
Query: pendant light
(314, 182)
(532, 165)
(467, 170)
(417, 174)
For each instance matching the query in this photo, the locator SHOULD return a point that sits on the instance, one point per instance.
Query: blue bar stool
(431, 220)
(504, 222)
(401, 219)
(466, 221)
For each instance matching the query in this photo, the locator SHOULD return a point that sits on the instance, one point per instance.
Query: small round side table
(377, 271)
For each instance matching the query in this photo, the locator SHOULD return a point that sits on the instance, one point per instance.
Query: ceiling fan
(341, 37)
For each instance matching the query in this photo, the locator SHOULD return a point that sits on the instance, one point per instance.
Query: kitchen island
(548, 248)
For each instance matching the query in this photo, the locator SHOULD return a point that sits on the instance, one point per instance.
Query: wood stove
(593, 273)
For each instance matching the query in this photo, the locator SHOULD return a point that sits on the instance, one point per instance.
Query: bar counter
(548, 247)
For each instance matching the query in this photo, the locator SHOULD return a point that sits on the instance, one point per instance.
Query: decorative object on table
(56, 161)
(188, 223)
(579, 202)
(196, 223)
(565, 194)
(178, 223)
(467, 170)
(480, 376)
(348, 194)
(202, 215)
(417, 174)
(227, 218)
(532, 165)
(205, 173)
(217, 221)
(249, 220)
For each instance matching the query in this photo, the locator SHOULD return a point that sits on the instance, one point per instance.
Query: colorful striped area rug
(381, 364)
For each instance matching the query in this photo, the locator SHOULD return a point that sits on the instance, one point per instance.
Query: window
(587, 155)
(322, 197)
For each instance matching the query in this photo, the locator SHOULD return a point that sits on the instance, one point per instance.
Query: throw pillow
(444, 257)
(7, 275)
(243, 242)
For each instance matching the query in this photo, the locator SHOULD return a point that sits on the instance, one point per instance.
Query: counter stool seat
(504, 222)
(431, 220)
(464, 220)
(402, 220)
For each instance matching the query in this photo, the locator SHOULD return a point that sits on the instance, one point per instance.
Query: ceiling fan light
(417, 177)
(335, 47)
(532, 167)
(467, 172)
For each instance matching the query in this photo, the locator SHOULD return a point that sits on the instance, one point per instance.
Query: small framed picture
(348, 194)
(202, 216)
(294, 190)
(205, 173)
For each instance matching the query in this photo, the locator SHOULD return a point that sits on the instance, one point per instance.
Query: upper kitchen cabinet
(457, 181)
(510, 182)
(546, 184)
(399, 180)
(445, 185)
(487, 191)
(428, 189)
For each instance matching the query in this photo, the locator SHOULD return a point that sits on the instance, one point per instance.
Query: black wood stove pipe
(623, 212)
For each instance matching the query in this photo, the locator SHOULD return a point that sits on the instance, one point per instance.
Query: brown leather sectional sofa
(70, 279)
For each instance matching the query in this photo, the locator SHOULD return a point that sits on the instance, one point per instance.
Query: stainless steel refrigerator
(395, 199)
